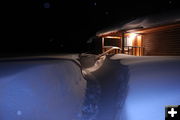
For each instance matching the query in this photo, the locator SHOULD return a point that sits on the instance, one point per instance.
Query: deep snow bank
(41, 90)
(106, 80)
(153, 83)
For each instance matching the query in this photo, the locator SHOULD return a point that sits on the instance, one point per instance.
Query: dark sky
(70, 23)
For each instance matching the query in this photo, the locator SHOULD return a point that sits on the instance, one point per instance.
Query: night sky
(67, 27)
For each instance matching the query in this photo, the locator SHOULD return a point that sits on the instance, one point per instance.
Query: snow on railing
(106, 52)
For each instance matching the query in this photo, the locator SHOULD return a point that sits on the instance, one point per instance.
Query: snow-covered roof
(149, 21)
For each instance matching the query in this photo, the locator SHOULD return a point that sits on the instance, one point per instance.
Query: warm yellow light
(131, 38)
(113, 37)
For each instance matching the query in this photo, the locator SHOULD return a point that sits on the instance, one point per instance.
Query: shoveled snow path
(111, 77)
(113, 84)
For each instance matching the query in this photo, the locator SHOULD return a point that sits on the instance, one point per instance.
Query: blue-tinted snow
(120, 87)
(153, 83)
(41, 90)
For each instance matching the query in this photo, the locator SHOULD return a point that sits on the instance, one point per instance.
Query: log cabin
(153, 35)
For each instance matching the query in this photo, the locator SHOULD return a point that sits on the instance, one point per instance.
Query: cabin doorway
(133, 44)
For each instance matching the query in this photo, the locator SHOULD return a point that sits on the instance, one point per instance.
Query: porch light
(131, 38)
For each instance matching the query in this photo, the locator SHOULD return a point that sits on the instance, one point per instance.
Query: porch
(124, 43)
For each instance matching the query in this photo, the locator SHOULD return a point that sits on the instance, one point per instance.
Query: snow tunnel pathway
(107, 92)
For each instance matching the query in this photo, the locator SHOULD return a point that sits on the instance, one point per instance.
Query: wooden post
(102, 44)
(122, 42)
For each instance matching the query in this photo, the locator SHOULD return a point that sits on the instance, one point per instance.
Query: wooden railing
(130, 50)
(134, 50)
(109, 49)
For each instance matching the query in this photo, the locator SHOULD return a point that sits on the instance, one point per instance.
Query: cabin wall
(164, 42)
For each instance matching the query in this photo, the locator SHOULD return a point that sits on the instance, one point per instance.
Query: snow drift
(153, 83)
(120, 87)
(41, 90)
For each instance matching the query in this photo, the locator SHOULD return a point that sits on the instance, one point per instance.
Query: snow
(119, 87)
(41, 89)
(153, 21)
(105, 78)
(153, 83)
(131, 85)
(90, 65)
(149, 21)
